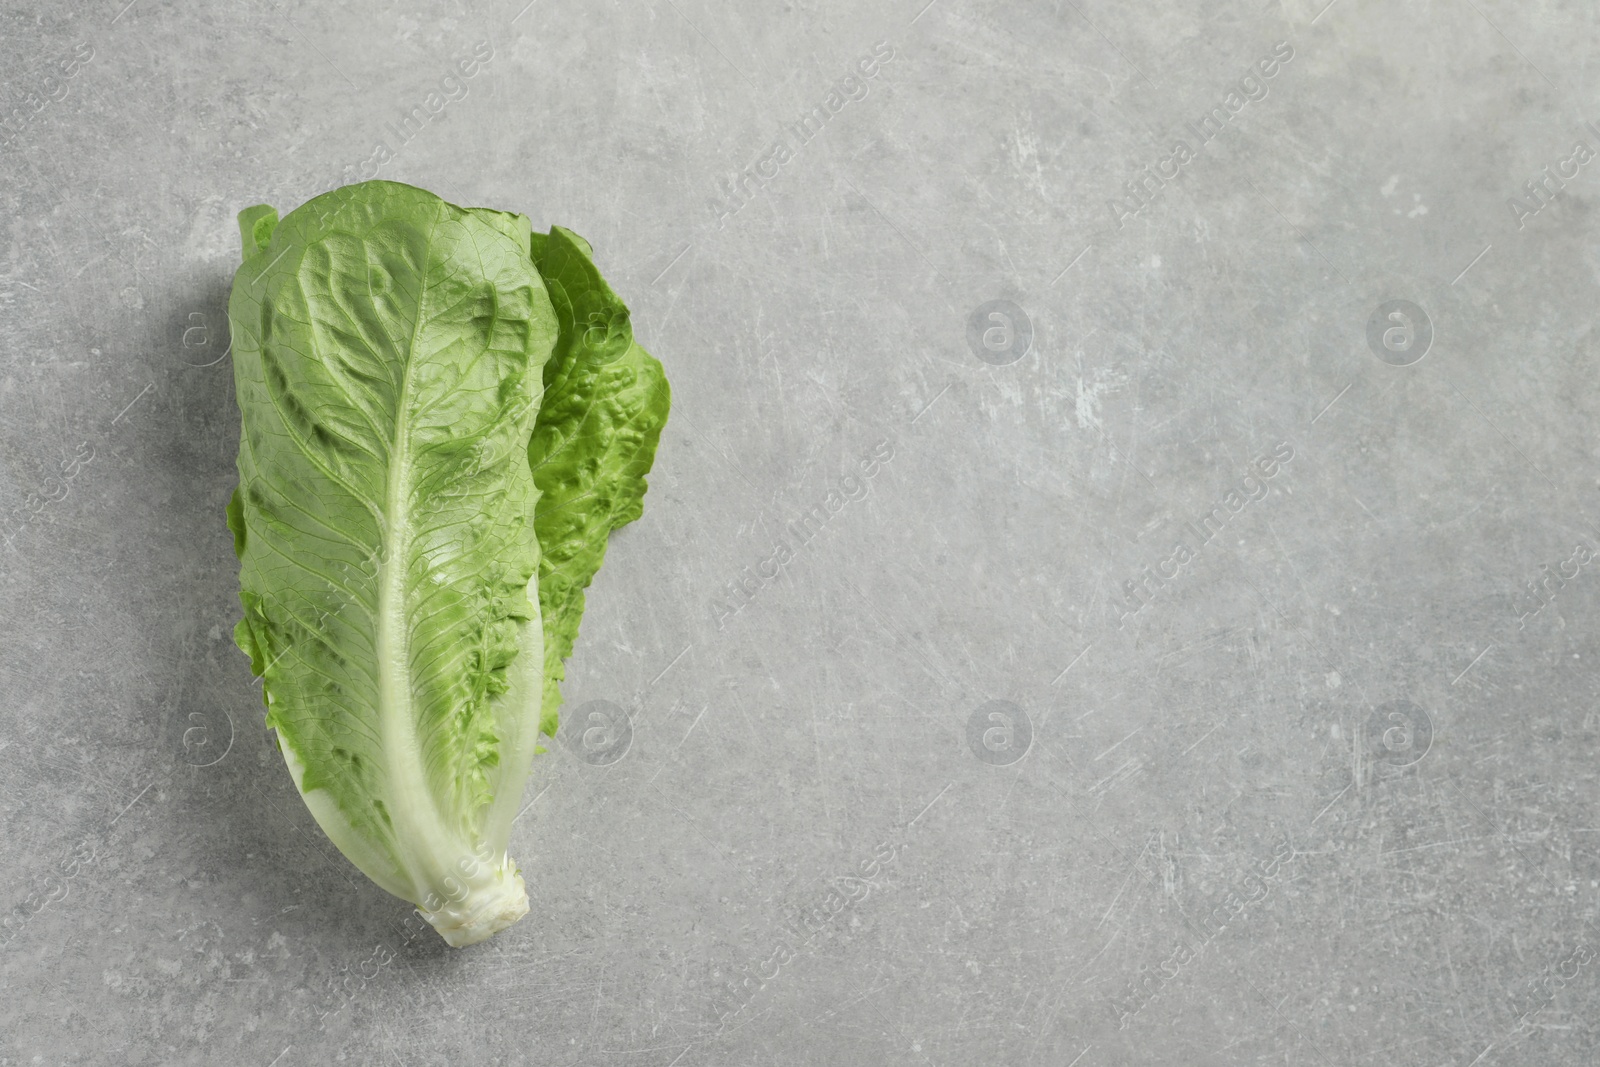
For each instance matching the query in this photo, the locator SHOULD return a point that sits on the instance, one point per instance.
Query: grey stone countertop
(1204, 674)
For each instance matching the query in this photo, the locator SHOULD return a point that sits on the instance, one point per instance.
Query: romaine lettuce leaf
(391, 353)
(605, 402)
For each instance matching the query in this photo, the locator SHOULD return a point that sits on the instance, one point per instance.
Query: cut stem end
(484, 911)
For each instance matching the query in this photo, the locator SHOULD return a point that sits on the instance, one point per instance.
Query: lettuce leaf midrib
(397, 722)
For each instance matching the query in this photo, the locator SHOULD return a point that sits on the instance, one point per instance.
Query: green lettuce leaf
(388, 356)
(605, 403)
(443, 417)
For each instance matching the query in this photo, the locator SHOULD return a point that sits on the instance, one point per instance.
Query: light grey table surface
(1317, 789)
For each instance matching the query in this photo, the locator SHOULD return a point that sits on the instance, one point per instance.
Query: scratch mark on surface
(1474, 663)
(1132, 762)
(932, 402)
(324, 56)
(1330, 804)
(669, 666)
(530, 803)
(131, 803)
(1434, 844)
(1330, 404)
(1074, 262)
(931, 803)
(1069, 666)
(1135, 730)
(1364, 507)
(1196, 745)
(1324, 11)
(1087, 403)
(1474, 263)
(1132, 869)
(132, 402)
(692, 725)
(675, 258)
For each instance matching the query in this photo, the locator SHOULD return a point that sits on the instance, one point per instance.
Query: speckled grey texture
(1070, 624)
